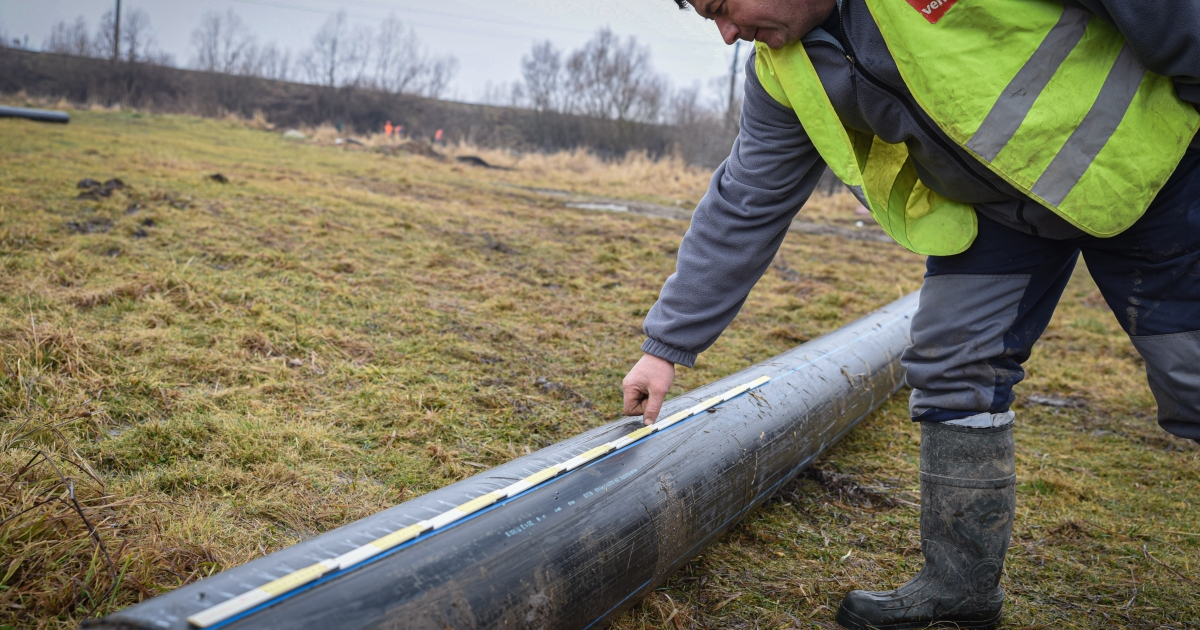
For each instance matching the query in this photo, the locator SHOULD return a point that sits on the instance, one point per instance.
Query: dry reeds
(53, 505)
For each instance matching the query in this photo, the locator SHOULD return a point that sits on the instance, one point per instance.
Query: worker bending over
(1000, 138)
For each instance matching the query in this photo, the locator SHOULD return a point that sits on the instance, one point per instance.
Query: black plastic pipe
(578, 550)
(39, 115)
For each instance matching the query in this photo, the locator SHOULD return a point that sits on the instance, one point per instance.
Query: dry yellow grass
(223, 369)
(636, 176)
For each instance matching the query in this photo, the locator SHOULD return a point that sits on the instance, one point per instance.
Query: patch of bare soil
(866, 230)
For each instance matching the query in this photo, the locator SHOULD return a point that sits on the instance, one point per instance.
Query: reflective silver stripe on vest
(861, 196)
(1017, 99)
(1085, 143)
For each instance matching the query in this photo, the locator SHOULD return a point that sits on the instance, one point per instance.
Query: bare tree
(698, 118)
(223, 43)
(69, 38)
(403, 66)
(503, 94)
(614, 79)
(542, 74)
(397, 62)
(339, 54)
(685, 108)
(441, 72)
(607, 78)
(271, 62)
(102, 43)
(137, 38)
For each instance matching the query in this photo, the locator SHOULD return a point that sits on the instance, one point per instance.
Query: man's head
(775, 23)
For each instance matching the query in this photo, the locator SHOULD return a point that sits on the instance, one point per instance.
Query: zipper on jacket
(934, 135)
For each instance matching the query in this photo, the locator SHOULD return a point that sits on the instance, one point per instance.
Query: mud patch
(411, 147)
(94, 190)
(849, 490)
(862, 231)
(97, 225)
(475, 160)
(1058, 402)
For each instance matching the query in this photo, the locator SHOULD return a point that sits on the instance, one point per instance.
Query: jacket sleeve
(736, 228)
(1164, 36)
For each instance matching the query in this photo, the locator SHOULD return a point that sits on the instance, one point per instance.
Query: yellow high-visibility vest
(1048, 97)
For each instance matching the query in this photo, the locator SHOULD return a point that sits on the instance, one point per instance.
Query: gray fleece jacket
(773, 167)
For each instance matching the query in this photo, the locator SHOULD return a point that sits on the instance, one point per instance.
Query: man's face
(775, 23)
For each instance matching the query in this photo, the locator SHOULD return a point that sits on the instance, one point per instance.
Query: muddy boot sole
(852, 621)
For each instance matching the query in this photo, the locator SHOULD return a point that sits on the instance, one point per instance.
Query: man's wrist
(671, 354)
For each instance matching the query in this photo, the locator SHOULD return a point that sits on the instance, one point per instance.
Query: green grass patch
(194, 374)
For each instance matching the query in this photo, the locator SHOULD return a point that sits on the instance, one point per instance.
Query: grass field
(195, 373)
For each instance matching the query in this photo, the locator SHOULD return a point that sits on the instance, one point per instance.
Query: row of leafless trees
(137, 43)
(605, 78)
(390, 58)
(612, 78)
(5, 42)
(608, 77)
(223, 43)
(609, 80)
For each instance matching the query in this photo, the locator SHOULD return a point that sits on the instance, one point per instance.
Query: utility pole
(733, 72)
(117, 33)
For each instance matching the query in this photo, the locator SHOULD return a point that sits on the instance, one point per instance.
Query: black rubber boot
(968, 501)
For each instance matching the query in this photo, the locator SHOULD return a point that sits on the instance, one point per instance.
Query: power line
(459, 16)
(443, 27)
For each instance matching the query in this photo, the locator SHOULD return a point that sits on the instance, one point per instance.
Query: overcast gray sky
(488, 36)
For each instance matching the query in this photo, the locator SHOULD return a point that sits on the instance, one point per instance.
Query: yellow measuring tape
(265, 593)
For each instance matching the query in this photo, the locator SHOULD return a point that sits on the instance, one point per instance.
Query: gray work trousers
(982, 310)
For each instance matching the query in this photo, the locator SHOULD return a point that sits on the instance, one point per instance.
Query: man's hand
(646, 387)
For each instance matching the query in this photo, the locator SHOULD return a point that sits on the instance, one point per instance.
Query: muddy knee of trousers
(959, 363)
(1173, 371)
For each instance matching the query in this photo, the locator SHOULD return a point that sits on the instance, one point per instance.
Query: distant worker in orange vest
(437, 137)
(387, 129)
